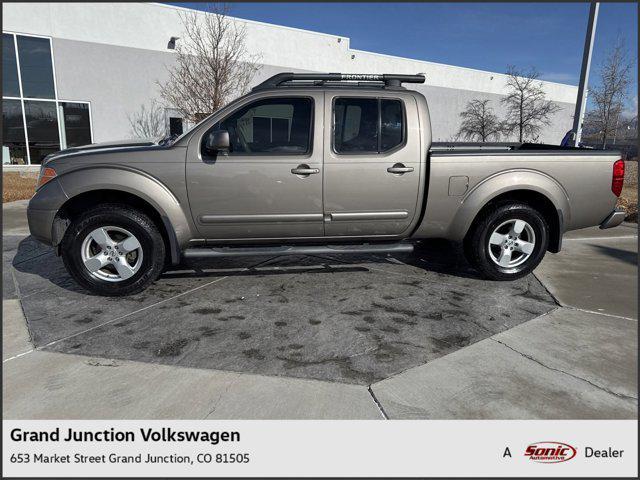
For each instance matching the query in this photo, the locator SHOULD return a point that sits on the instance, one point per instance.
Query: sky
(484, 36)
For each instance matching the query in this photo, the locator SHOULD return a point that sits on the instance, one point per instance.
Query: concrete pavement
(596, 271)
(565, 364)
(13, 218)
(44, 385)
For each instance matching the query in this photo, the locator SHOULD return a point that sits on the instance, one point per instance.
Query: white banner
(320, 448)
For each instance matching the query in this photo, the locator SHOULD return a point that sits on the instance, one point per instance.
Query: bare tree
(610, 94)
(627, 128)
(212, 64)
(479, 122)
(148, 121)
(527, 108)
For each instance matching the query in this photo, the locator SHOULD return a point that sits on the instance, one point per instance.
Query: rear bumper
(614, 219)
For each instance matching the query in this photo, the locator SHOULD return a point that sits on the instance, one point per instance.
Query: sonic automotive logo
(550, 452)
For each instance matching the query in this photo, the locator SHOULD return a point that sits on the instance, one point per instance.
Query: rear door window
(391, 124)
(356, 125)
(367, 125)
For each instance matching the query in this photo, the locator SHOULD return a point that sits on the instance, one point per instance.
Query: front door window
(273, 126)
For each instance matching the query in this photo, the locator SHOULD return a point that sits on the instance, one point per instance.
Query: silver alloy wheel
(512, 243)
(112, 254)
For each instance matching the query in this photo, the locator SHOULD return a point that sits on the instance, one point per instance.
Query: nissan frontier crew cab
(312, 163)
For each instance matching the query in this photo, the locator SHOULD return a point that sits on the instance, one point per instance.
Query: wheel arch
(535, 189)
(129, 188)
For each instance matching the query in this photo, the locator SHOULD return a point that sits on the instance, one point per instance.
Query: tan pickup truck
(312, 163)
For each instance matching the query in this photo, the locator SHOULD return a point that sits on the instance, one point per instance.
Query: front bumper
(42, 210)
(614, 219)
(40, 224)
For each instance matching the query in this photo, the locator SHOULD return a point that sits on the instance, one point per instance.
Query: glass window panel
(356, 125)
(270, 126)
(261, 133)
(175, 127)
(391, 124)
(42, 129)
(280, 130)
(10, 86)
(14, 149)
(77, 127)
(36, 70)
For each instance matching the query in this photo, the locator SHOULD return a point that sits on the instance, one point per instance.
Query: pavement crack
(377, 402)
(599, 387)
(100, 363)
(24, 315)
(15, 282)
(30, 258)
(478, 324)
(222, 394)
(553, 297)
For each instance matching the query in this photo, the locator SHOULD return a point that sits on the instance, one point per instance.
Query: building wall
(113, 55)
(445, 104)
(116, 80)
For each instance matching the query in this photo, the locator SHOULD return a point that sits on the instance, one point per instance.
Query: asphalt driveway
(373, 328)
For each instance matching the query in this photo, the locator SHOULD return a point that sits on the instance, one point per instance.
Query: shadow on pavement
(626, 256)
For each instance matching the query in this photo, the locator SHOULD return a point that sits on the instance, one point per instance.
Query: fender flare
(510, 181)
(139, 184)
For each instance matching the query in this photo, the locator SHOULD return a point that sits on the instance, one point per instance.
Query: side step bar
(297, 250)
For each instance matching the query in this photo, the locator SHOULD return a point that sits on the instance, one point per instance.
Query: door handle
(399, 168)
(304, 170)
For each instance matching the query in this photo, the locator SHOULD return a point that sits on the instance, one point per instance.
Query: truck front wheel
(113, 250)
(507, 242)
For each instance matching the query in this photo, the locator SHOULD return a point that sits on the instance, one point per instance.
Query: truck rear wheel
(113, 250)
(507, 242)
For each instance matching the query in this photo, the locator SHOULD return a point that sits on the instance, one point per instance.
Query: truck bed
(465, 176)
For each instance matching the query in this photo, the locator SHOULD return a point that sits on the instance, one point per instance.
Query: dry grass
(18, 185)
(629, 197)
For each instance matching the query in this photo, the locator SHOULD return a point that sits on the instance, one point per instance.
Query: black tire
(125, 217)
(477, 248)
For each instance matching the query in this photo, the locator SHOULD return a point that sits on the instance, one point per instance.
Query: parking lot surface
(368, 336)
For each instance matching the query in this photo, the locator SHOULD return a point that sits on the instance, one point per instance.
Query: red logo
(550, 452)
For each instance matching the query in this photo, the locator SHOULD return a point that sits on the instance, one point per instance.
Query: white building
(75, 72)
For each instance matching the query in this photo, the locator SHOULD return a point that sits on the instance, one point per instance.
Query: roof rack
(338, 79)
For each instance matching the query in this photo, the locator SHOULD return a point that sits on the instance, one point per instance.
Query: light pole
(581, 102)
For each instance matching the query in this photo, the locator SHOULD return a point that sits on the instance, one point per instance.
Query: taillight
(618, 177)
(46, 174)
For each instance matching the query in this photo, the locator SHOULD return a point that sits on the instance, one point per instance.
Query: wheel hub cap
(112, 254)
(512, 243)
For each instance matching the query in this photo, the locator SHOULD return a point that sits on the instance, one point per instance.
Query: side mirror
(218, 140)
